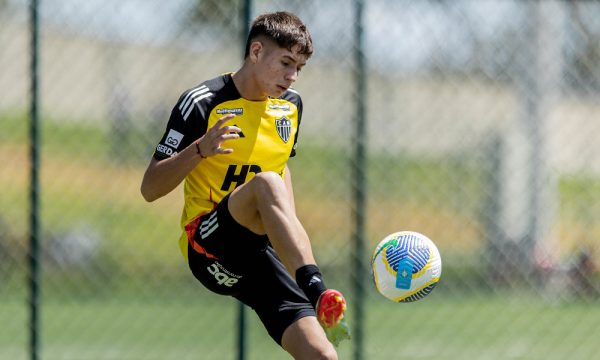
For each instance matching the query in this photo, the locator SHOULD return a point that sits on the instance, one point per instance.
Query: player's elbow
(149, 198)
(147, 193)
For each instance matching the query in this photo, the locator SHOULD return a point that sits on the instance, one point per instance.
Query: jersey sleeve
(297, 100)
(186, 124)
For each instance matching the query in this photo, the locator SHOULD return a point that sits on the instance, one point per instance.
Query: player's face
(278, 68)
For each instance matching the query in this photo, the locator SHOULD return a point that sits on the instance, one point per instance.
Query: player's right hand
(210, 144)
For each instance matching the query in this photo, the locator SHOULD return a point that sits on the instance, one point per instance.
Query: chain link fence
(482, 127)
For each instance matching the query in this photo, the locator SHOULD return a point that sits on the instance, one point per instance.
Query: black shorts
(229, 259)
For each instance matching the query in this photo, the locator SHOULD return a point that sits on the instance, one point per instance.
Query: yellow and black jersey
(268, 138)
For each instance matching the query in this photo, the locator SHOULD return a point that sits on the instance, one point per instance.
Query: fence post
(241, 338)
(34, 241)
(359, 138)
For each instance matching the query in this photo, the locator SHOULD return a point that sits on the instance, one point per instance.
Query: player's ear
(256, 48)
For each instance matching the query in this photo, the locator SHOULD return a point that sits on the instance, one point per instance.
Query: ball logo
(404, 274)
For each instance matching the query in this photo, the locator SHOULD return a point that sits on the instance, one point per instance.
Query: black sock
(310, 280)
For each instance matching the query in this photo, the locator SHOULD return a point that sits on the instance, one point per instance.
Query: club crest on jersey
(284, 128)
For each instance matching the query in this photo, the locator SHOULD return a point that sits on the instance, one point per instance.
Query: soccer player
(230, 139)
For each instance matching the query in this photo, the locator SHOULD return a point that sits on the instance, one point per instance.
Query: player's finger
(217, 127)
(230, 136)
(234, 129)
(222, 120)
(228, 130)
(221, 150)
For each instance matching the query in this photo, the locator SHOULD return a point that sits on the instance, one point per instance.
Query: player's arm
(162, 176)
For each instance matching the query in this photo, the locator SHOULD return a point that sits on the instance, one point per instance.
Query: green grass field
(440, 327)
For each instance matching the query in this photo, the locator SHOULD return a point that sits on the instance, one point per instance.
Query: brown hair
(284, 28)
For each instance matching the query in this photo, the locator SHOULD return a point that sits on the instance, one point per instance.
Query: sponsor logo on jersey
(164, 149)
(238, 174)
(284, 128)
(225, 111)
(173, 139)
(284, 107)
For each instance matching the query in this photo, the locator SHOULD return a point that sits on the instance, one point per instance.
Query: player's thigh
(222, 254)
(305, 339)
(244, 200)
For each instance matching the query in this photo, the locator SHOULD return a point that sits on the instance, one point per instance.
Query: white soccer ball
(406, 266)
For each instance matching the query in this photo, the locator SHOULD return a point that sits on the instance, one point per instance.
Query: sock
(310, 280)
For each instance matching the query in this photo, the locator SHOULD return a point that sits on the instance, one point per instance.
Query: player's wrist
(199, 150)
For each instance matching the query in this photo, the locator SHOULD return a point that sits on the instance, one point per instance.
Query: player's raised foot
(330, 313)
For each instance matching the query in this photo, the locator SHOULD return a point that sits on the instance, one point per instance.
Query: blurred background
(473, 122)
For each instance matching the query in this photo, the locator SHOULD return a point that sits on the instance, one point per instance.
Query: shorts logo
(223, 276)
(209, 225)
(284, 128)
(173, 138)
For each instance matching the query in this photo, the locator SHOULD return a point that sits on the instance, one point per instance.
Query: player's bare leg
(305, 339)
(263, 206)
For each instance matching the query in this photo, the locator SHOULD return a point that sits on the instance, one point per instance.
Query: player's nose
(291, 75)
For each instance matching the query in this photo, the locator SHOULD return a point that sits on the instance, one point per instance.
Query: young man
(230, 139)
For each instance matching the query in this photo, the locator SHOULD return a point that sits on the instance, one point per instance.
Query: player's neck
(246, 85)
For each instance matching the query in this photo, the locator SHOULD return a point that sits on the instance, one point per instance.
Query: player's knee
(268, 182)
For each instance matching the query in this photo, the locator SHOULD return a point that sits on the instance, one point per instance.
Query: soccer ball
(406, 266)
